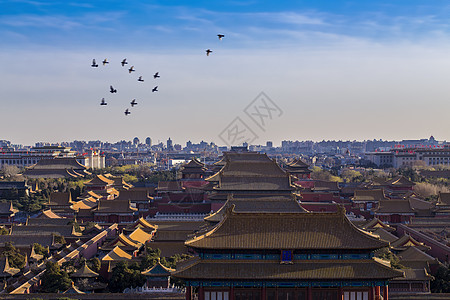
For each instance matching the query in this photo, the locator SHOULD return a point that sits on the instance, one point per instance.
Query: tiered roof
(279, 204)
(194, 166)
(286, 231)
(251, 171)
(56, 168)
(272, 270)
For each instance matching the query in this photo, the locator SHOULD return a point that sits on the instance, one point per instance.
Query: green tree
(94, 264)
(39, 249)
(54, 279)
(441, 281)
(124, 277)
(16, 260)
(4, 231)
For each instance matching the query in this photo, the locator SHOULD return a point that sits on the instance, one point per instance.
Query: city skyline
(338, 71)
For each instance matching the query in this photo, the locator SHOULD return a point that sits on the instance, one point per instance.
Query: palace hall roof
(158, 270)
(369, 195)
(7, 208)
(140, 236)
(400, 181)
(60, 199)
(251, 171)
(114, 206)
(286, 231)
(385, 235)
(390, 206)
(257, 204)
(117, 254)
(376, 223)
(99, 180)
(84, 272)
(273, 270)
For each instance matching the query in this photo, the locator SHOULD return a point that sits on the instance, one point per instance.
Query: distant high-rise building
(136, 141)
(148, 141)
(269, 144)
(169, 144)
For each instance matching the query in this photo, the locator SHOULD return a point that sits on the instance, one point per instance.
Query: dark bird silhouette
(131, 69)
(220, 36)
(105, 61)
(103, 102)
(127, 112)
(112, 90)
(133, 103)
(156, 75)
(208, 52)
(124, 62)
(140, 79)
(155, 89)
(94, 64)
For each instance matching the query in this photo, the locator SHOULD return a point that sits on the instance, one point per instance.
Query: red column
(201, 293)
(232, 293)
(377, 293)
(188, 293)
(341, 293)
(263, 293)
(371, 292)
(310, 293)
(385, 293)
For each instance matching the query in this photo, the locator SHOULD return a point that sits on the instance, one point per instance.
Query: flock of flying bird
(124, 62)
(112, 90)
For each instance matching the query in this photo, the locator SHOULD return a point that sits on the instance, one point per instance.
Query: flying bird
(105, 61)
(131, 69)
(208, 52)
(127, 112)
(156, 75)
(94, 64)
(155, 89)
(124, 62)
(103, 102)
(112, 90)
(133, 103)
(220, 36)
(140, 79)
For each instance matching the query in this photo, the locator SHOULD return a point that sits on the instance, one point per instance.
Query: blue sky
(337, 69)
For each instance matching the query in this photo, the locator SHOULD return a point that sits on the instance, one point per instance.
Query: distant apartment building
(402, 157)
(27, 158)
